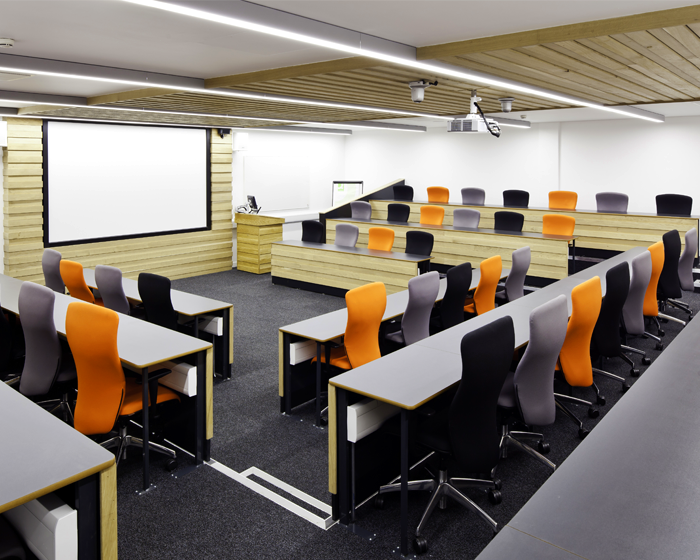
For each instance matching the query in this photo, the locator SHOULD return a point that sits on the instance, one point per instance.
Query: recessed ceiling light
(7, 43)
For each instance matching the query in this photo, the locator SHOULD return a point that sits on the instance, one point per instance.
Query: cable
(497, 134)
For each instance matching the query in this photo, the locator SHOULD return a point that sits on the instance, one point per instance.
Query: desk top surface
(484, 231)
(393, 255)
(409, 377)
(630, 489)
(140, 344)
(40, 453)
(183, 303)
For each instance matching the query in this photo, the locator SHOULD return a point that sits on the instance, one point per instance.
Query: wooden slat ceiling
(637, 66)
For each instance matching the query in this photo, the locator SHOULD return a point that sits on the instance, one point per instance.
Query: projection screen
(109, 181)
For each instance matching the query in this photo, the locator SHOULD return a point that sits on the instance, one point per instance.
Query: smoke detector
(7, 43)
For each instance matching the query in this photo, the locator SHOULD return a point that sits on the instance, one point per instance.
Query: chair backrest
(466, 217)
(675, 204)
(473, 422)
(485, 294)
(575, 355)
(563, 200)
(422, 292)
(51, 265)
(109, 283)
(685, 263)
(473, 197)
(459, 280)
(403, 192)
(438, 194)
(92, 336)
(515, 283)
(419, 242)
(508, 221)
(42, 360)
(534, 376)
(558, 224)
(73, 278)
(613, 202)
(514, 198)
(361, 210)
(633, 310)
(398, 212)
(606, 334)
(6, 344)
(366, 306)
(312, 231)
(669, 283)
(346, 235)
(380, 239)
(432, 215)
(651, 304)
(155, 295)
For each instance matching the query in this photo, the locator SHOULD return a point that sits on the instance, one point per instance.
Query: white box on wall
(3, 134)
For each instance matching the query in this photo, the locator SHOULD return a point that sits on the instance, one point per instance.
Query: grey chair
(361, 210)
(346, 235)
(685, 263)
(422, 293)
(473, 197)
(466, 217)
(514, 287)
(109, 283)
(633, 310)
(528, 393)
(613, 202)
(47, 367)
(51, 265)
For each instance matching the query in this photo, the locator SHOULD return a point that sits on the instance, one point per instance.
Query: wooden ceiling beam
(128, 95)
(572, 32)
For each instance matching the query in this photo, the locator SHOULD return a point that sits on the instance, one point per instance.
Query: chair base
(62, 405)
(123, 440)
(511, 438)
(592, 412)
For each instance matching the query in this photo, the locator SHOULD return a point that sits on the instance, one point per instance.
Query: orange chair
(72, 276)
(485, 295)
(432, 215)
(380, 239)
(438, 194)
(651, 303)
(558, 224)
(563, 200)
(105, 396)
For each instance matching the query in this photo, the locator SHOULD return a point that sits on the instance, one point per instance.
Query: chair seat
(507, 397)
(433, 433)
(134, 396)
(396, 337)
(471, 308)
(67, 374)
(99, 302)
(339, 358)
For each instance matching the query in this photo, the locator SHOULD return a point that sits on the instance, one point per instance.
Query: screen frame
(45, 187)
(362, 193)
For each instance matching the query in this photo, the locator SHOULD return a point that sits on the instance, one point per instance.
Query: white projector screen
(108, 181)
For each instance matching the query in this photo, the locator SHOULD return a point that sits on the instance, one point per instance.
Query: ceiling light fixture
(439, 68)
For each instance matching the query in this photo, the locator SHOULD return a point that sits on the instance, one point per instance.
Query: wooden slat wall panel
(175, 256)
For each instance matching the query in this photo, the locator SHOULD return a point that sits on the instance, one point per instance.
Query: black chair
(516, 198)
(154, 291)
(419, 243)
(668, 289)
(508, 221)
(606, 341)
(403, 192)
(11, 547)
(674, 204)
(467, 432)
(313, 231)
(398, 212)
(451, 309)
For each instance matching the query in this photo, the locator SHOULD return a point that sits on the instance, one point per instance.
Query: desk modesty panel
(453, 246)
(594, 230)
(343, 268)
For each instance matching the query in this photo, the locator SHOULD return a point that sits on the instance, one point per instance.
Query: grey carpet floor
(205, 514)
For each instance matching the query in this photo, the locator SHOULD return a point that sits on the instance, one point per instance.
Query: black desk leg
(342, 475)
(200, 408)
(87, 502)
(404, 482)
(573, 253)
(146, 430)
(318, 384)
(225, 347)
(287, 372)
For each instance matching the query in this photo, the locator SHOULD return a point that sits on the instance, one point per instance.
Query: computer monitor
(252, 203)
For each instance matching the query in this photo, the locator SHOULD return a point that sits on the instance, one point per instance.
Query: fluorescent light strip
(475, 77)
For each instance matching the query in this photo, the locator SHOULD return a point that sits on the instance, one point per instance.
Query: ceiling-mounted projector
(475, 121)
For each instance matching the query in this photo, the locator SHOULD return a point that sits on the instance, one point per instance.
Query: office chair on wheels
(422, 292)
(398, 212)
(685, 263)
(74, 279)
(633, 311)
(451, 309)
(51, 266)
(669, 288)
(109, 283)
(485, 295)
(514, 286)
(473, 197)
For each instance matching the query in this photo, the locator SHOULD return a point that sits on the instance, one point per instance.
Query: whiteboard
(113, 181)
(346, 191)
(278, 183)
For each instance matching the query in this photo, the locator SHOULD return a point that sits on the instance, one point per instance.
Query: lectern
(255, 235)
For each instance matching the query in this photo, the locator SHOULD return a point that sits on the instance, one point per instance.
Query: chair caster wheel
(582, 433)
(634, 372)
(600, 400)
(543, 447)
(495, 497)
(420, 545)
(646, 361)
(379, 502)
(662, 333)
(323, 422)
(171, 466)
(593, 412)
(625, 387)
(659, 345)
(497, 483)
